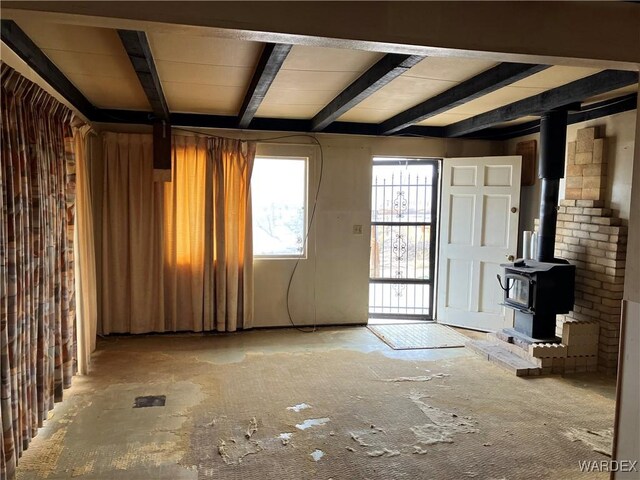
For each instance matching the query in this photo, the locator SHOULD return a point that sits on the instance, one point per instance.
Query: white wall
(331, 284)
(620, 131)
(627, 428)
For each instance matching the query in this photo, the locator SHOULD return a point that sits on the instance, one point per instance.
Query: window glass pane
(278, 190)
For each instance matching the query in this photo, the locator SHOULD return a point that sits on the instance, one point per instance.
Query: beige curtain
(184, 235)
(84, 256)
(232, 239)
(132, 256)
(177, 256)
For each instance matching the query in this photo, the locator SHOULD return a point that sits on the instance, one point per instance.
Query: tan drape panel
(132, 256)
(197, 269)
(84, 256)
(232, 238)
(37, 311)
(184, 235)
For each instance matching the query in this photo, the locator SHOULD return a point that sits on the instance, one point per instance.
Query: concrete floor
(379, 413)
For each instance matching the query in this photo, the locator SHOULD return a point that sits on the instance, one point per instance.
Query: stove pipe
(553, 135)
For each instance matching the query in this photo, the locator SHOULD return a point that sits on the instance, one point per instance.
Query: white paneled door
(478, 232)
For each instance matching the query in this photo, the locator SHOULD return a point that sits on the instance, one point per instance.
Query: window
(279, 194)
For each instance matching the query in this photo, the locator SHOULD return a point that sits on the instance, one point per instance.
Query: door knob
(514, 209)
(511, 258)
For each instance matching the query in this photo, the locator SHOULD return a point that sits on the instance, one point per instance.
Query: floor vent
(150, 401)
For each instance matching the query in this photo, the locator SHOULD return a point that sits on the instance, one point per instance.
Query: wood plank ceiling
(197, 80)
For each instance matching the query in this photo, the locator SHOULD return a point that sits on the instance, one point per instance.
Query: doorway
(404, 207)
(479, 231)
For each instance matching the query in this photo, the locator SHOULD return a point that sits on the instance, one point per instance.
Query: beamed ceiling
(132, 76)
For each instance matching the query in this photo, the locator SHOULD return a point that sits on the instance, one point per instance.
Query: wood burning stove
(540, 289)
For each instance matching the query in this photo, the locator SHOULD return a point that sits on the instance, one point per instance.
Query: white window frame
(305, 226)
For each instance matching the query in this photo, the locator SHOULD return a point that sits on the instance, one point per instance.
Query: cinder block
(581, 337)
(609, 246)
(574, 182)
(616, 255)
(607, 226)
(584, 158)
(548, 350)
(611, 302)
(599, 151)
(597, 236)
(613, 221)
(586, 134)
(584, 145)
(608, 262)
(571, 153)
(590, 203)
(595, 169)
(593, 193)
(598, 212)
(587, 242)
(575, 170)
(573, 193)
(593, 182)
(618, 239)
(546, 362)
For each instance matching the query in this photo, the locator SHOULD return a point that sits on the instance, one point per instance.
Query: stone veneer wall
(592, 238)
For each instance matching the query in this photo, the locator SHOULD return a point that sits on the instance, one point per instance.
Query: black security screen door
(404, 200)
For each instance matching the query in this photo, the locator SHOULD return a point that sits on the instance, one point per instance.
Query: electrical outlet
(357, 229)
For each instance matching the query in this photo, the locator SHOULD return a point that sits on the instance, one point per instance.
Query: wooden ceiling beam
(137, 47)
(386, 69)
(23, 46)
(196, 120)
(271, 60)
(592, 111)
(486, 82)
(576, 91)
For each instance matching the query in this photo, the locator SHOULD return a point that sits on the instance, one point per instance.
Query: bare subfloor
(335, 404)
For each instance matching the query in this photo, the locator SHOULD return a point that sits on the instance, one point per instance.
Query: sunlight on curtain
(84, 255)
(184, 235)
(177, 256)
(185, 201)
